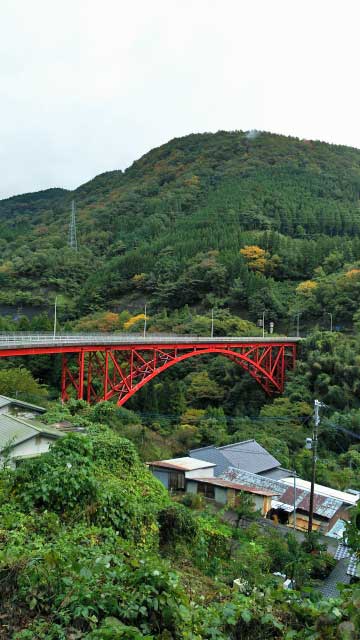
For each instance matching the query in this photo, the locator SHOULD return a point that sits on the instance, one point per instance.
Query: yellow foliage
(307, 287)
(353, 273)
(255, 257)
(6, 267)
(130, 323)
(138, 279)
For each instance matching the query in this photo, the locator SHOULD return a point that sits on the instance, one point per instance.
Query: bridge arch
(263, 377)
(118, 372)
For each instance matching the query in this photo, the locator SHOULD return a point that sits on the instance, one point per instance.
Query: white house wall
(32, 447)
(200, 473)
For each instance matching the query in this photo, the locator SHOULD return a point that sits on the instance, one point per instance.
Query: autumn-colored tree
(255, 257)
(307, 287)
(134, 321)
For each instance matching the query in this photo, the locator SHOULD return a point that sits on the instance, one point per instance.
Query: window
(176, 481)
(207, 490)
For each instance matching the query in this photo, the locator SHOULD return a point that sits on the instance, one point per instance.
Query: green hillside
(169, 231)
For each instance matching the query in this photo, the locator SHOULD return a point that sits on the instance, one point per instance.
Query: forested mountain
(181, 225)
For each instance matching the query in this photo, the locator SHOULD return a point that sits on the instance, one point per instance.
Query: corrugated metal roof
(4, 401)
(185, 464)
(15, 430)
(220, 482)
(349, 498)
(253, 479)
(248, 455)
(276, 504)
(323, 506)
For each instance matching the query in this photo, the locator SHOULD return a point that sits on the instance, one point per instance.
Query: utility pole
(294, 524)
(317, 405)
(212, 323)
(145, 321)
(55, 305)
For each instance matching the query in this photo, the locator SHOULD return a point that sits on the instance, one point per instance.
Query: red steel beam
(99, 369)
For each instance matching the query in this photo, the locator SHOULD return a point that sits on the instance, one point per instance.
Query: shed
(174, 472)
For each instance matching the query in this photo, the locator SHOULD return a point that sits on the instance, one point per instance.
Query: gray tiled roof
(277, 474)
(248, 455)
(211, 454)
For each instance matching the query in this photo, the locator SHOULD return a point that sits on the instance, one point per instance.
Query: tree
(203, 389)
(255, 257)
(19, 382)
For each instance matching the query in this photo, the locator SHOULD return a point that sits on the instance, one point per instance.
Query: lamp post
(263, 323)
(297, 325)
(331, 320)
(145, 318)
(212, 323)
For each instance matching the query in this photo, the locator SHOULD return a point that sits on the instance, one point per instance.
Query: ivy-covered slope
(170, 228)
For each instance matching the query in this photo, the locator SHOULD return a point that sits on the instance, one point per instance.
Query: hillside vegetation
(170, 230)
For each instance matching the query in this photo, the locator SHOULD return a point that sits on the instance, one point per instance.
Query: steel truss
(107, 372)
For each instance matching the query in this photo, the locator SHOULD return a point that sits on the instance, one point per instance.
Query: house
(16, 407)
(348, 498)
(225, 492)
(20, 439)
(248, 455)
(173, 473)
(327, 510)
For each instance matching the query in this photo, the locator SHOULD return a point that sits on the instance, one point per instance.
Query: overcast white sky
(88, 86)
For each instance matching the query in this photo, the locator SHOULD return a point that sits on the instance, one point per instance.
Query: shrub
(177, 524)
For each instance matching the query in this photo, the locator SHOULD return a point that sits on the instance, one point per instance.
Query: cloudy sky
(89, 86)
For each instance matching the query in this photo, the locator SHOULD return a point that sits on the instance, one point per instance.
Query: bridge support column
(80, 389)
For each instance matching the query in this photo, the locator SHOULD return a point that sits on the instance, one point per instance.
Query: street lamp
(331, 319)
(212, 323)
(297, 325)
(145, 319)
(262, 324)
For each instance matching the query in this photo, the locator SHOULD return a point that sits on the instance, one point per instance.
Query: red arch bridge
(103, 366)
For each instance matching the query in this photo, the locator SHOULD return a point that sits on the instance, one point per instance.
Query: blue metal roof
(248, 455)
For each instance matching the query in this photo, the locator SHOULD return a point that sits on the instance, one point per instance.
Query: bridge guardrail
(48, 339)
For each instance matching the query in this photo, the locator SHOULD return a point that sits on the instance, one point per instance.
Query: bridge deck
(10, 341)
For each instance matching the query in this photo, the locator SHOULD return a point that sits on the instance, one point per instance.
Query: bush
(61, 480)
(177, 524)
